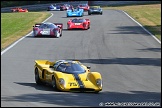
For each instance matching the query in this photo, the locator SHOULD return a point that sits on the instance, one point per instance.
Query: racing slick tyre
(61, 9)
(57, 34)
(34, 34)
(54, 86)
(37, 79)
(96, 92)
(61, 33)
(89, 27)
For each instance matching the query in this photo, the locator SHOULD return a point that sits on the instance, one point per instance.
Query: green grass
(147, 15)
(16, 25)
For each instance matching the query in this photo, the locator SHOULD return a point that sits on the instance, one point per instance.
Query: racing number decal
(73, 84)
(44, 32)
(77, 23)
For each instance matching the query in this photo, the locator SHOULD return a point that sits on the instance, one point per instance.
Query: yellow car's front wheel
(54, 83)
(37, 79)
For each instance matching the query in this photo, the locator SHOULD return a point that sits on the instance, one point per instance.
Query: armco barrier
(101, 3)
(40, 6)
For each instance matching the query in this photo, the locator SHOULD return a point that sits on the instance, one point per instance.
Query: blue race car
(54, 7)
(95, 10)
(77, 12)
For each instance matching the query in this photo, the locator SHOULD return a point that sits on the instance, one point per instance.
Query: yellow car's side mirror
(88, 67)
(50, 66)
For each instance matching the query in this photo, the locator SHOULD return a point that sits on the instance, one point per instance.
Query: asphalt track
(128, 58)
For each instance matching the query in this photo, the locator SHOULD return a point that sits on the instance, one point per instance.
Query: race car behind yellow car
(67, 75)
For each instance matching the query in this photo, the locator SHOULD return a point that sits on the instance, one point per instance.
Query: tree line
(22, 3)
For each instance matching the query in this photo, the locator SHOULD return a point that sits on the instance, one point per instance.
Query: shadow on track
(83, 99)
(125, 61)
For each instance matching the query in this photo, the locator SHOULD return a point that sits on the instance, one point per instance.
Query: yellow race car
(67, 75)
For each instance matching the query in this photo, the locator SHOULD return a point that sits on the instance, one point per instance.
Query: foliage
(22, 3)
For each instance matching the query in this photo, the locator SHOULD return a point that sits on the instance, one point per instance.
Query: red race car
(64, 7)
(78, 23)
(84, 6)
(19, 9)
(48, 29)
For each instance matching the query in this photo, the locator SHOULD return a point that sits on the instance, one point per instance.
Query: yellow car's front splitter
(85, 86)
(78, 82)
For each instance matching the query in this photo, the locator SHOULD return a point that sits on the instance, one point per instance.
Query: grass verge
(147, 15)
(16, 25)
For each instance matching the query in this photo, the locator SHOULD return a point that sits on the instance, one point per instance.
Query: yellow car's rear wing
(44, 62)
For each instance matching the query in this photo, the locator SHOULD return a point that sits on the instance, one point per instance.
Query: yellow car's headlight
(62, 81)
(99, 82)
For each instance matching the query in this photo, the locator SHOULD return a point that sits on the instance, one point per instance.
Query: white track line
(143, 28)
(22, 38)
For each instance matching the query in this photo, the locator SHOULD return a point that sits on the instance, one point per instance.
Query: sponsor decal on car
(77, 23)
(44, 32)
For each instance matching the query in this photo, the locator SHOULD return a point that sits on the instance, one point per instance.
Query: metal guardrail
(42, 7)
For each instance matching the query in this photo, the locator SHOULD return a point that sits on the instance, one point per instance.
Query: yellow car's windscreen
(70, 67)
